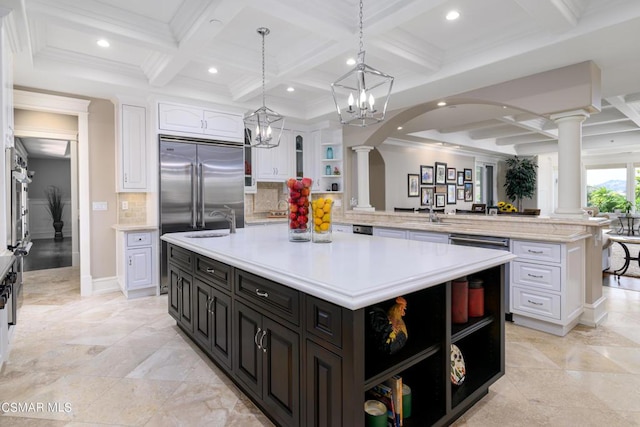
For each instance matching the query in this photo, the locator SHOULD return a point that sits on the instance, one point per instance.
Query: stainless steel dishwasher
(489, 242)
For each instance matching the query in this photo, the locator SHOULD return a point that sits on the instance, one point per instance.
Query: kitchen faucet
(230, 217)
(433, 217)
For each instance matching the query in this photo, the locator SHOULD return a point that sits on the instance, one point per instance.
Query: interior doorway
(79, 142)
(49, 162)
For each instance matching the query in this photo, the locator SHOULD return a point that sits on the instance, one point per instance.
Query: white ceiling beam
(535, 125)
(90, 15)
(557, 16)
(621, 104)
(503, 131)
(402, 44)
(201, 32)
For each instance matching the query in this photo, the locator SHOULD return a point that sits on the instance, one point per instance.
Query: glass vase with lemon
(321, 208)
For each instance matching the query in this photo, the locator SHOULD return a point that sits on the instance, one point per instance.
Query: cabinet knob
(263, 294)
(210, 270)
(130, 262)
(125, 178)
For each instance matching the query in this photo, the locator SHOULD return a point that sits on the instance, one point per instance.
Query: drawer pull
(210, 270)
(264, 348)
(531, 251)
(263, 294)
(255, 338)
(534, 276)
(533, 302)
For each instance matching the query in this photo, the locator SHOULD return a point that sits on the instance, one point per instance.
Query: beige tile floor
(108, 361)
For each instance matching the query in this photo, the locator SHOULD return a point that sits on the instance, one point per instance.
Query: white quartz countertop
(134, 227)
(353, 271)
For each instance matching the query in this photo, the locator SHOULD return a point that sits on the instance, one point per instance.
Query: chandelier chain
(361, 42)
(263, 97)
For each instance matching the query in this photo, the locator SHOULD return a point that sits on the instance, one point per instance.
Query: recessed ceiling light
(441, 104)
(213, 70)
(452, 15)
(291, 89)
(399, 127)
(103, 43)
(351, 61)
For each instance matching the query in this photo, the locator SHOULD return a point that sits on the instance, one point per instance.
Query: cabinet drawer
(536, 275)
(180, 256)
(274, 297)
(214, 271)
(540, 303)
(324, 320)
(540, 251)
(138, 239)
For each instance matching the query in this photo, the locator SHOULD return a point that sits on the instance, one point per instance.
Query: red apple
(298, 185)
(291, 182)
(307, 182)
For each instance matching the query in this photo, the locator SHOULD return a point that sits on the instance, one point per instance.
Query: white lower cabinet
(395, 233)
(427, 236)
(342, 228)
(136, 263)
(547, 285)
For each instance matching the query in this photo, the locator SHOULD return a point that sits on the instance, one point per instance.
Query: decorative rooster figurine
(388, 329)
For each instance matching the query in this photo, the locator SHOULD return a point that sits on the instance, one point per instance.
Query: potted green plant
(520, 180)
(55, 207)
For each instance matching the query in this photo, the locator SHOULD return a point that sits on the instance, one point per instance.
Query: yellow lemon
(320, 203)
(326, 218)
(327, 207)
(313, 205)
(316, 228)
(317, 221)
(319, 213)
(324, 226)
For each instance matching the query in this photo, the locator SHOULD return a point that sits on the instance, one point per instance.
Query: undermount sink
(206, 235)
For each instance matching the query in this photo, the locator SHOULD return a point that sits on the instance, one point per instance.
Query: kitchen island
(288, 322)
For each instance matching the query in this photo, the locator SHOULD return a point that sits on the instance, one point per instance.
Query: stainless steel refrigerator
(197, 177)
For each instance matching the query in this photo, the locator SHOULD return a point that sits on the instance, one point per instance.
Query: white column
(362, 153)
(569, 163)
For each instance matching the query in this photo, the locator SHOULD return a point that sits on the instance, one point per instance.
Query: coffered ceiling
(165, 47)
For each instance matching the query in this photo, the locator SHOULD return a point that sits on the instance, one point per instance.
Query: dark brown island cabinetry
(308, 362)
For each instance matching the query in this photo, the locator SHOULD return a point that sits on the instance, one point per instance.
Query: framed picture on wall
(460, 179)
(441, 173)
(440, 198)
(413, 188)
(468, 192)
(468, 177)
(426, 196)
(460, 195)
(451, 174)
(426, 175)
(451, 194)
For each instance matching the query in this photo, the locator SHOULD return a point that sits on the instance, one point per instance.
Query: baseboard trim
(104, 285)
(594, 314)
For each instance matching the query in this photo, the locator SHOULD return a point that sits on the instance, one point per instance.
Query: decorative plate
(458, 370)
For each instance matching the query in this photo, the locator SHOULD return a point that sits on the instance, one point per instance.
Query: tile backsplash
(137, 208)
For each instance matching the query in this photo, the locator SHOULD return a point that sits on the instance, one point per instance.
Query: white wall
(50, 172)
(402, 159)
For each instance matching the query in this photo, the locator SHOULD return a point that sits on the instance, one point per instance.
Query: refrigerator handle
(201, 182)
(194, 197)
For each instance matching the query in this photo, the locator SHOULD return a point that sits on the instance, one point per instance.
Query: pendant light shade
(361, 95)
(264, 126)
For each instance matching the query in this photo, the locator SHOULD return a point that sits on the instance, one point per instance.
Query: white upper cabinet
(132, 158)
(277, 164)
(196, 120)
